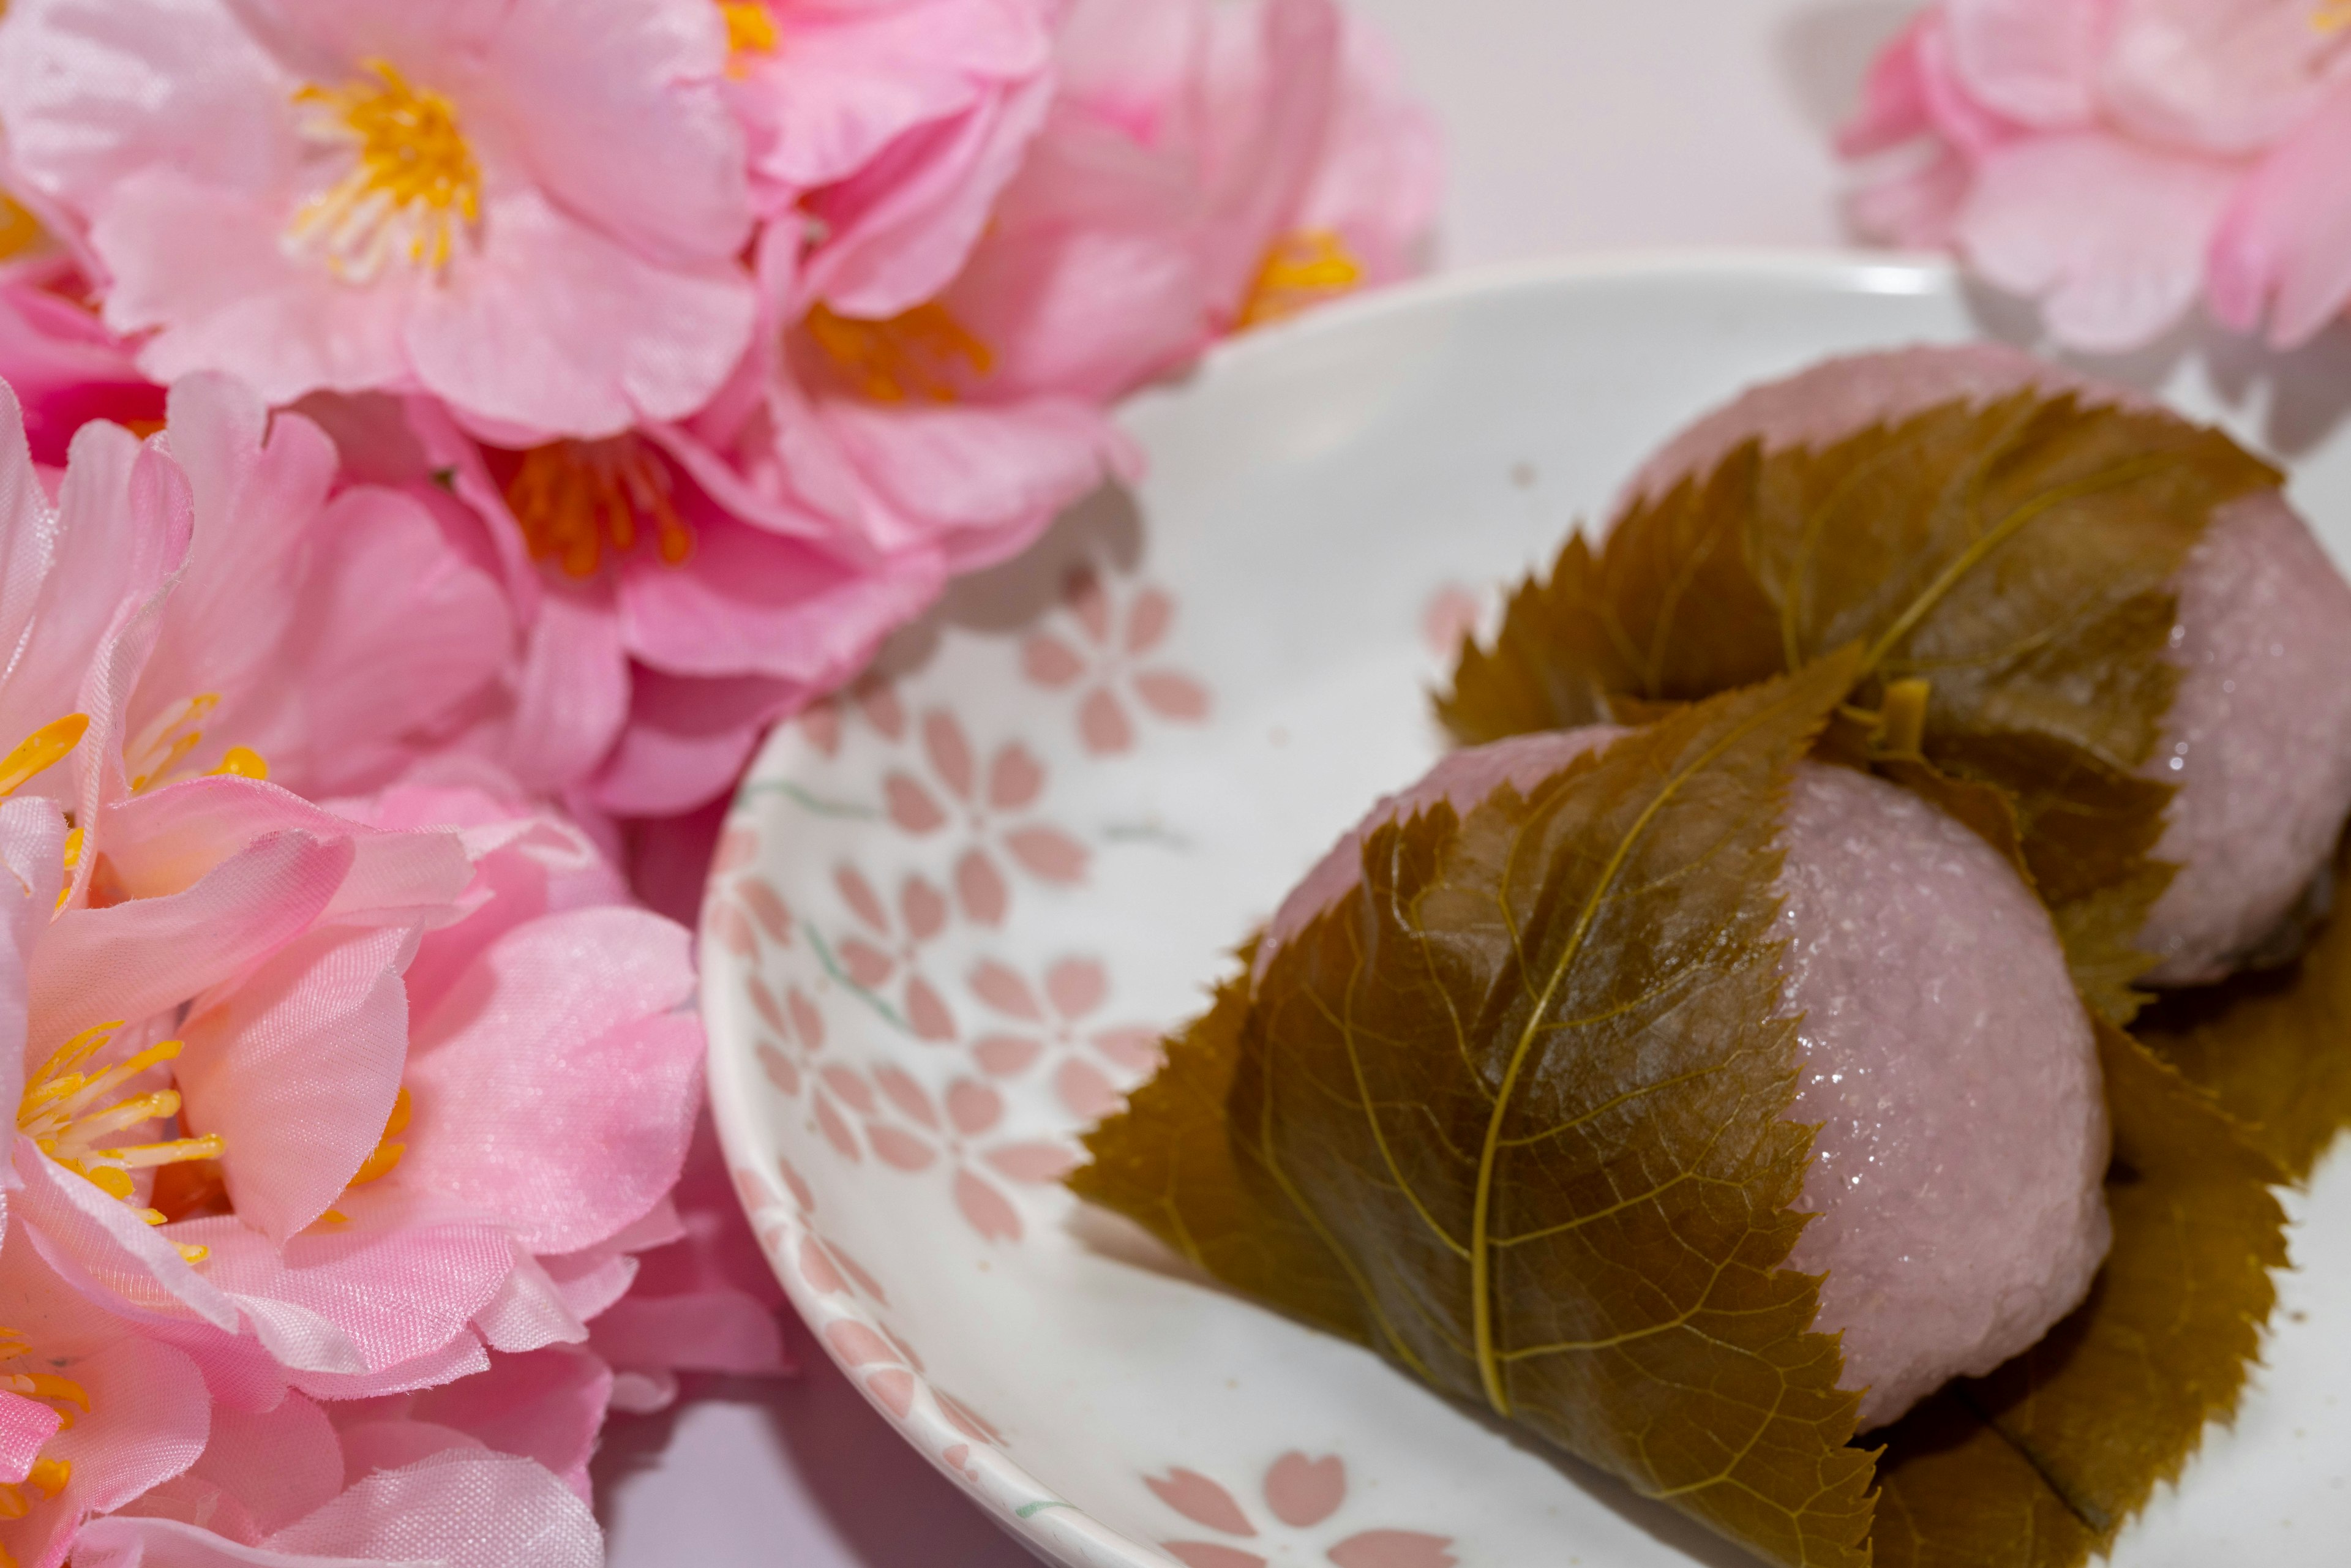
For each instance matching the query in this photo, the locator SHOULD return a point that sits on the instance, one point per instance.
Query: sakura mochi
(1943, 1054)
(2258, 739)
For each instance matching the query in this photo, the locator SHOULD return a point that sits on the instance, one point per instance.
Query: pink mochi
(1945, 1057)
(2259, 736)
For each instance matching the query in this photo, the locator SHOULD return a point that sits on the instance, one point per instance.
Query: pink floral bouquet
(2117, 160)
(436, 439)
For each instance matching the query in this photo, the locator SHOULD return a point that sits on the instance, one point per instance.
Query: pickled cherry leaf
(1513, 1114)
(2273, 1047)
(2018, 556)
(2042, 1463)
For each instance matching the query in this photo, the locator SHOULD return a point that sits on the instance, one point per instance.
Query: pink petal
(1083, 592)
(895, 1390)
(1393, 1549)
(556, 328)
(818, 1269)
(806, 1019)
(1136, 1049)
(1048, 853)
(1303, 1492)
(1207, 1554)
(900, 1149)
(1015, 780)
(1077, 987)
(154, 1427)
(1103, 724)
(822, 725)
(566, 1108)
(1201, 1500)
(911, 806)
(985, 1209)
(280, 1465)
(1003, 1055)
(860, 896)
(2033, 60)
(763, 1002)
(836, 1131)
(973, 1108)
(981, 888)
(738, 846)
(1001, 988)
(950, 752)
(1050, 662)
(852, 1088)
(1147, 620)
(2111, 235)
(296, 1068)
(867, 965)
(2285, 245)
(778, 1070)
(1038, 1162)
(548, 1405)
(733, 930)
(878, 701)
(620, 117)
(1083, 1088)
(903, 1091)
(466, 1508)
(1173, 695)
(924, 907)
(767, 908)
(857, 1345)
(927, 1012)
(795, 1184)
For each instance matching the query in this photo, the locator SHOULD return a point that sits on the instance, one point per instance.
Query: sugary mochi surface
(2258, 738)
(1962, 1142)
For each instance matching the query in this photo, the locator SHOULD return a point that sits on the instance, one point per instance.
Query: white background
(1572, 126)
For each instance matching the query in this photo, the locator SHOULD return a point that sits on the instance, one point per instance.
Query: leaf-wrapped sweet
(2017, 556)
(1442, 1095)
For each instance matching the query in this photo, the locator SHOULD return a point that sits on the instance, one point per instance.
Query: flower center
(915, 354)
(72, 1110)
(750, 26)
(412, 185)
(576, 498)
(49, 1477)
(154, 756)
(2331, 15)
(1304, 269)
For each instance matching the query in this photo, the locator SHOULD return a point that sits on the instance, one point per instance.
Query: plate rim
(1007, 1493)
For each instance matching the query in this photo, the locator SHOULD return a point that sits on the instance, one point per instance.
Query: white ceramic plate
(955, 908)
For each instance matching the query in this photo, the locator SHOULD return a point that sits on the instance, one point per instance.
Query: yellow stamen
(242, 762)
(66, 1112)
(574, 499)
(47, 1475)
(41, 750)
(2331, 15)
(750, 25)
(412, 184)
(20, 231)
(387, 1152)
(1302, 269)
(167, 740)
(911, 355)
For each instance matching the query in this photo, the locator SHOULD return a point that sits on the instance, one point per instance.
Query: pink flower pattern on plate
(1302, 1494)
(1073, 990)
(1015, 781)
(963, 1135)
(874, 958)
(872, 695)
(1105, 663)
